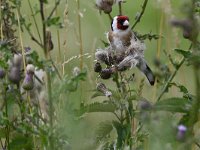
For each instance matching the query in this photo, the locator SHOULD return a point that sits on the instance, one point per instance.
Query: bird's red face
(121, 22)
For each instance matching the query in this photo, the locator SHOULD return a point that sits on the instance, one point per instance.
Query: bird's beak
(126, 23)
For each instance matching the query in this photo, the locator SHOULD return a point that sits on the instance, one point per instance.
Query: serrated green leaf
(123, 133)
(2, 133)
(103, 131)
(20, 142)
(174, 104)
(186, 54)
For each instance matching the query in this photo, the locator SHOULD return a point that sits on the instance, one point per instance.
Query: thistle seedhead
(102, 56)
(105, 5)
(102, 88)
(97, 67)
(106, 73)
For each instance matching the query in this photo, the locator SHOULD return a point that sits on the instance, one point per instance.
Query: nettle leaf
(20, 142)
(174, 104)
(96, 107)
(186, 54)
(103, 131)
(53, 21)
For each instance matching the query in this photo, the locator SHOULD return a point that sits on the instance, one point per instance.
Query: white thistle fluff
(30, 68)
(101, 55)
(129, 62)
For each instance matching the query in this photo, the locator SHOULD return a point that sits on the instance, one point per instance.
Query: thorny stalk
(36, 25)
(141, 14)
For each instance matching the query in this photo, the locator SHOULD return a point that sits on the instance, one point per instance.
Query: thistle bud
(181, 132)
(97, 67)
(28, 82)
(106, 73)
(102, 88)
(105, 5)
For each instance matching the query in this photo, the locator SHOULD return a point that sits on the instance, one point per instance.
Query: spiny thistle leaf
(186, 54)
(174, 104)
(97, 94)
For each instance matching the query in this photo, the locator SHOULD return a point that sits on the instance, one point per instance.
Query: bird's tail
(147, 71)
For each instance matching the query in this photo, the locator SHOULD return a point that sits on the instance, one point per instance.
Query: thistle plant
(133, 121)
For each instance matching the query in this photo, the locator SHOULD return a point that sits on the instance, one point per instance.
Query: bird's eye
(121, 22)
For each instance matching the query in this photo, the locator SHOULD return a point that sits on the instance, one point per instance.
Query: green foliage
(53, 21)
(106, 106)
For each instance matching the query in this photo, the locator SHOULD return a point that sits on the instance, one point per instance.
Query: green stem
(36, 25)
(172, 77)
(120, 8)
(141, 14)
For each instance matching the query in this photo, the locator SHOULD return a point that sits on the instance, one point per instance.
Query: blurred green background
(156, 20)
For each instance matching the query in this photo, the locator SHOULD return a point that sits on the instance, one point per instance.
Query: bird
(125, 44)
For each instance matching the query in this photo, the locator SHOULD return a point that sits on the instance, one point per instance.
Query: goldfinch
(127, 47)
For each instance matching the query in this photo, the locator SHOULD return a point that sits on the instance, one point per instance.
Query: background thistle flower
(181, 133)
(14, 74)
